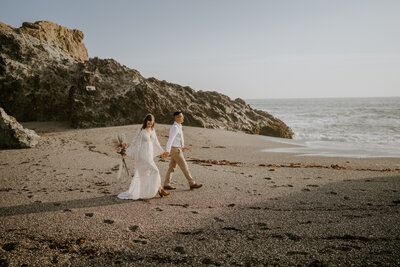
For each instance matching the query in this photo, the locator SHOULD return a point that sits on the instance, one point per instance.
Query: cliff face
(35, 77)
(69, 41)
(42, 78)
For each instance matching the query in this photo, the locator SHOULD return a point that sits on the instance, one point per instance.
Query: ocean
(351, 127)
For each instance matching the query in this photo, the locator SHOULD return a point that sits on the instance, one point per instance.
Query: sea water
(352, 127)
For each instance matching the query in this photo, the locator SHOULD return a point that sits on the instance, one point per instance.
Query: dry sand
(58, 205)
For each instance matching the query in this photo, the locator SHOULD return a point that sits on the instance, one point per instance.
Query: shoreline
(331, 149)
(59, 205)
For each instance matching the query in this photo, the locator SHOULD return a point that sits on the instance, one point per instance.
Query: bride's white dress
(146, 177)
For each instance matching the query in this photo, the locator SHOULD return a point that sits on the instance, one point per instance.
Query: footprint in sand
(251, 238)
(133, 228)
(107, 221)
(218, 219)
(230, 228)
(289, 253)
(140, 241)
(180, 250)
(293, 237)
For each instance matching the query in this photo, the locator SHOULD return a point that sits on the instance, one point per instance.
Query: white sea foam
(353, 127)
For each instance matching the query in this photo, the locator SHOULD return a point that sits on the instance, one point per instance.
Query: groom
(174, 148)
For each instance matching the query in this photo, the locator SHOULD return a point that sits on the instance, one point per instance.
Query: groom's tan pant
(178, 158)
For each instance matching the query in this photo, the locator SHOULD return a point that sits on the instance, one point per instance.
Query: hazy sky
(247, 49)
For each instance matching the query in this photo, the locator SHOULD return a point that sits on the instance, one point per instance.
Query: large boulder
(39, 80)
(13, 135)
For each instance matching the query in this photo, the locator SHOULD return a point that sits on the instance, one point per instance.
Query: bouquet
(121, 149)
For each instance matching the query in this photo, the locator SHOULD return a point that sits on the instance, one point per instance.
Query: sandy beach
(59, 206)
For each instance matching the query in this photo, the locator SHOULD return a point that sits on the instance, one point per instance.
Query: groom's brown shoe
(168, 187)
(195, 186)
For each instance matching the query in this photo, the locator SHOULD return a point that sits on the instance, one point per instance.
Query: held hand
(165, 154)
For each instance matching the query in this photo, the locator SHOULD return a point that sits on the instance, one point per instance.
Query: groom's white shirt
(175, 137)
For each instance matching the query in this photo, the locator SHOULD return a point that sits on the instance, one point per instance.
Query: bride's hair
(149, 117)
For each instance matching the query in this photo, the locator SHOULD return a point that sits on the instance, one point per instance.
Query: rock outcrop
(13, 135)
(69, 41)
(35, 77)
(39, 80)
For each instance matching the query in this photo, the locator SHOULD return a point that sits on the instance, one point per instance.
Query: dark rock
(54, 260)
(10, 246)
(14, 135)
(43, 78)
(4, 262)
(180, 250)
(207, 261)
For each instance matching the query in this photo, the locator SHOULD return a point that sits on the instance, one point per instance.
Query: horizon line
(328, 97)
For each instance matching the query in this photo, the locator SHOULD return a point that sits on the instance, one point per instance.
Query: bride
(146, 181)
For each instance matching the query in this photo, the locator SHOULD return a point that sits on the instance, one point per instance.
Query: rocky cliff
(43, 78)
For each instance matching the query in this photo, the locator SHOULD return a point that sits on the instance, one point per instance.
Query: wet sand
(58, 205)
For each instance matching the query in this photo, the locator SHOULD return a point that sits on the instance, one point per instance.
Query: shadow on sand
(60, 205)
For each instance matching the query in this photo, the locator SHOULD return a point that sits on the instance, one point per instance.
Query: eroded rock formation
(69, 41)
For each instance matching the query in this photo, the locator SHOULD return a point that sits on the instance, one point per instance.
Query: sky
(249, 49)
